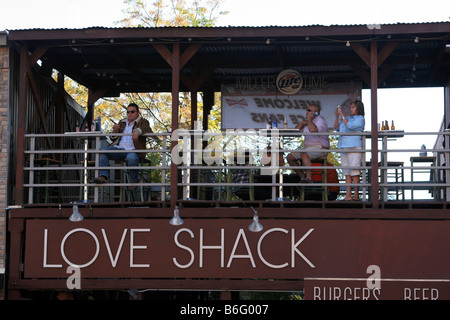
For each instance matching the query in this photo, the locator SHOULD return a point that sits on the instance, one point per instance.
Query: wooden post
(175, 103)
(21, 125)
(374, 124)
(15, 228)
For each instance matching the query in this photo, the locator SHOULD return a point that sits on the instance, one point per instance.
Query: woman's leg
(348, 194)
(355, 181)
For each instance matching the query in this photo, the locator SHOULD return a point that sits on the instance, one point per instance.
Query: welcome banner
(255, 108)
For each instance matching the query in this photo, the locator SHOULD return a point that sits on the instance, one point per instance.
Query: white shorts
(312, 154)
(351, 159)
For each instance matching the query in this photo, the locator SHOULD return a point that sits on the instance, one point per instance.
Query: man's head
(132, 112)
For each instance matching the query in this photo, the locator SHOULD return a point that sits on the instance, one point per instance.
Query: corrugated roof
(127, 59)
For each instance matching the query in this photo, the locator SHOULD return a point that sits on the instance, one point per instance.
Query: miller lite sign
(289, 82)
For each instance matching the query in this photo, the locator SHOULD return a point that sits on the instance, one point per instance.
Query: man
(313, 123)
(137, 126)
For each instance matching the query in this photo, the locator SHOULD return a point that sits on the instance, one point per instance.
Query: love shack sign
(225, 248)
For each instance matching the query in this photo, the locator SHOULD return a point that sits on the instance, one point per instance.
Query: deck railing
(206, 161)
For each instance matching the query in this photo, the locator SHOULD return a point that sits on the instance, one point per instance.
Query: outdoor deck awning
(138, 59)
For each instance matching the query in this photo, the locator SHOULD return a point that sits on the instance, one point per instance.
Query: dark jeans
(131, 158)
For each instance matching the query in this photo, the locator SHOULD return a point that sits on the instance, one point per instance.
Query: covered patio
(52, 166)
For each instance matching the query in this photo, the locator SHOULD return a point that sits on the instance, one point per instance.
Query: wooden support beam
(362, 73)
(362, 52)
(184, 57)
(21, 126)
(175, 58)
(15, 228)
(39, 106)
(208, 102)
(93, 96)
(386, 51)
(194, 82)
(194, 109)
(374, 120)
(36, 55)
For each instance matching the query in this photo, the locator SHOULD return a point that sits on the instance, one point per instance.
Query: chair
(318, 176)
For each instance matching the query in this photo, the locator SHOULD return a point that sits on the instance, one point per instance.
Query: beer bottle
(393, 126)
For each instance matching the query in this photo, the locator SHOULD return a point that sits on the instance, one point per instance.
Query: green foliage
(174, 13)
(156, 107)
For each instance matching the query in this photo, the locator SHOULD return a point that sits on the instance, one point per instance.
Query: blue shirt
(354, 124)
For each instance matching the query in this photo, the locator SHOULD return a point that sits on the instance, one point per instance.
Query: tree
(173, 13)
(155, 106)
(164, 13)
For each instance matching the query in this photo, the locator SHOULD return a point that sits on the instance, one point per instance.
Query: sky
(425, 106)
(25, 14)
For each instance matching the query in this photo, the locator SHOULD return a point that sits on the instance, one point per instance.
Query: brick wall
(4, 77)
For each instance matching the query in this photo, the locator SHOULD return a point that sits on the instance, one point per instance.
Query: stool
(245, 189)
(88, 174)
(396, 173)
(317, 175)
(47, 163)
(431, 172)
(144, 177)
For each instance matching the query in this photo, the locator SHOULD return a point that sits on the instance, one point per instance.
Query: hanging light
(176, 220)
(75, 216)
(255, 226)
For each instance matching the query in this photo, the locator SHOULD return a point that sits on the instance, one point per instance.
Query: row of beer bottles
(385, 125)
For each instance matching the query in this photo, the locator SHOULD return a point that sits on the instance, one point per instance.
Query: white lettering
(347, 293)
(295, 250)
(119, 249)
(97, 249)
(74, 281)
(133, 247)
(260, 251)
(249, 254)
(374, 280)
(420, 294)
(45, 264)
(221, 247)
(184, 247)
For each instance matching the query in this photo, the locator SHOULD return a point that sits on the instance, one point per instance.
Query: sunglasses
(131, 111)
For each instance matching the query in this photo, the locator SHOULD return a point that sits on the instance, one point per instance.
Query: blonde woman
(355, 122)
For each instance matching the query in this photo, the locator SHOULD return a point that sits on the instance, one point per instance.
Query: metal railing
(207, 160)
